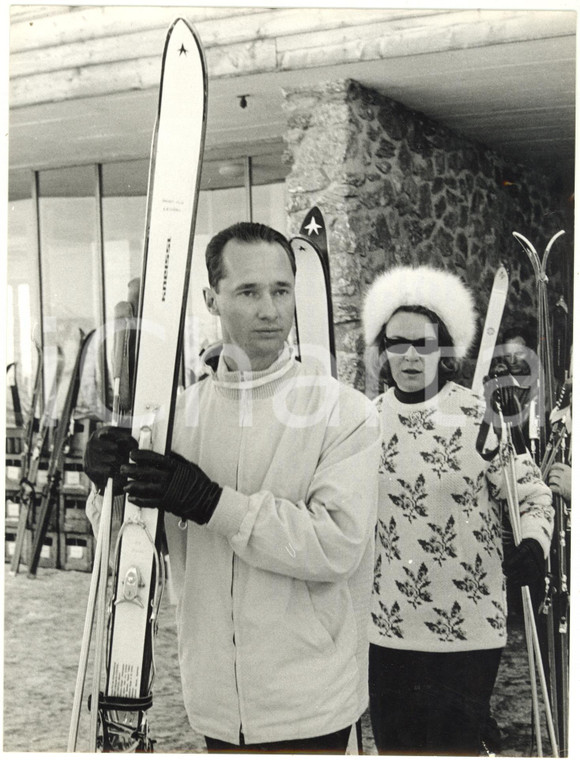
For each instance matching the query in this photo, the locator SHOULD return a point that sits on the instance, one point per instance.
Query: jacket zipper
(242, 426)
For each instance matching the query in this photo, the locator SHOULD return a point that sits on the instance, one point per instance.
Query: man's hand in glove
(171, 483)
(524, 565)
(107, 449)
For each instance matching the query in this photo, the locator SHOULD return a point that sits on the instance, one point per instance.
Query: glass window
(22, 297)
(123, 204)
(70, 281)
(216, 209)
(269, 206)
(124, 187)
(81, 209)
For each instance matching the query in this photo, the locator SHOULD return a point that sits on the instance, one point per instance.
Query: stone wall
(397, 188)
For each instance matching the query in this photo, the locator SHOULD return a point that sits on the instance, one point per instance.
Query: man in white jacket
(270, 495)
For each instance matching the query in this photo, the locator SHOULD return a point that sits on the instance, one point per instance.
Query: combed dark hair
(244, 232)
(448, 366)
(520, 331)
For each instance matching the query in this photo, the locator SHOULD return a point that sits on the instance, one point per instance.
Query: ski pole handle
(123, 315)
(123, 325)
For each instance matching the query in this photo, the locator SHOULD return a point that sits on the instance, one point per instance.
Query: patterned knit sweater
(438, 584)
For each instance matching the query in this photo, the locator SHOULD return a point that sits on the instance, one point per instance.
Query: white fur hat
(435, 289)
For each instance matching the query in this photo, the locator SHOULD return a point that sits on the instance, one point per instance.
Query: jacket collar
(260, 383)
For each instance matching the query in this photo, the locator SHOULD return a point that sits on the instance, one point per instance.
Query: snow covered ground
(44, 620)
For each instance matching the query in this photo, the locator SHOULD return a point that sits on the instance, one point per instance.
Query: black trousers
(330, 744)
(424, 703)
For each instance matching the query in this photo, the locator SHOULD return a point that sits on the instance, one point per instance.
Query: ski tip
(182, 26)
(180, 21)
(313, 224)
(181, 37)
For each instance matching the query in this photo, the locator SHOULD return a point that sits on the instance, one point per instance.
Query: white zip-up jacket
(273, 594)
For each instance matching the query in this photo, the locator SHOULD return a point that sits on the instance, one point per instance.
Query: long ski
(35, 443)
(314, 315)
(171, 210)
(315, 325)
(545, 397)
(491, 328)
(544, 403)
(124, 327)
(12, 383)
(556, 607)
(55, 470)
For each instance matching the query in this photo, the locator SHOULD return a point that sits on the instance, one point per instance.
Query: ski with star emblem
(315, 326)
(314, 229)
(126, 617)
(314, 317)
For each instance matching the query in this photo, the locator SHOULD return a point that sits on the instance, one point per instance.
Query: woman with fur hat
(438, 609)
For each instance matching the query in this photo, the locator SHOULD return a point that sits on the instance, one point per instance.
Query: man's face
(516, 356)
(255, 300)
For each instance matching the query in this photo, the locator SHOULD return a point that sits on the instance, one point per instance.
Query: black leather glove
(107, 449)
(171, 483)
(525, 564)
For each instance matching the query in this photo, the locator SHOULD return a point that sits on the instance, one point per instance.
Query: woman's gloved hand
(524, 564)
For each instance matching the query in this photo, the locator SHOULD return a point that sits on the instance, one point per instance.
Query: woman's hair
(449, 366)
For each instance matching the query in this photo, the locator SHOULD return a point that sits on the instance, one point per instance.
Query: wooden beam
(451, 31)
(102, 50)
(141, 74)
(32, 52)
(83, 23)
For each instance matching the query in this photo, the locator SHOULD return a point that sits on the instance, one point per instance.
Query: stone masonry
(397, 188)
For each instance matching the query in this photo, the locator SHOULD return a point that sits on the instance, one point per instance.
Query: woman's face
(412, 350)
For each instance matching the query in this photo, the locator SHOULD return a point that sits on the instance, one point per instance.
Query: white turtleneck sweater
(438, 583)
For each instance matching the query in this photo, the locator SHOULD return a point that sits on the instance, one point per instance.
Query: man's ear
(211, 301)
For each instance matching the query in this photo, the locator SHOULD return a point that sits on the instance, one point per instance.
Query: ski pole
(86, 643)
(534, 651)
(512, 501)
(105, 529)
(123, 313)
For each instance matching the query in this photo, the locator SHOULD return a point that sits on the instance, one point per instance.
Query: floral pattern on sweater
(438, 583)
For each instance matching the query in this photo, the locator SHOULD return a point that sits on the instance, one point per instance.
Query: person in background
(438, 613)
(270, 498)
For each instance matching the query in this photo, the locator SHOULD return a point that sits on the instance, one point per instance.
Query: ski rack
(119, 712)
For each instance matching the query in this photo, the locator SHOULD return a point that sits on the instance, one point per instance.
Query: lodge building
(422, 135)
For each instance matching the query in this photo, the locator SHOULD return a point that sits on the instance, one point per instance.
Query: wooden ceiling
(83, 79)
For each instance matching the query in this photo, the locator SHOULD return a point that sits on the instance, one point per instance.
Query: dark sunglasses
(423, 347)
